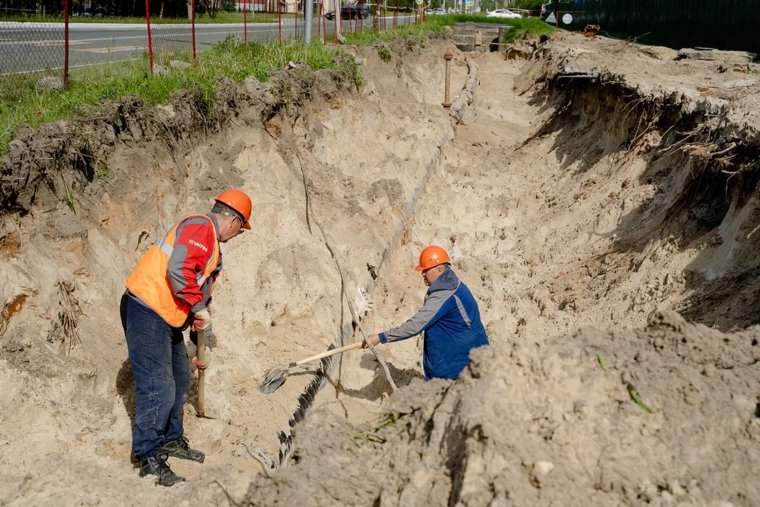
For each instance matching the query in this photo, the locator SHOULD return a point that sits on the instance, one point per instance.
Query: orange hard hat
(431, 257)
(239, 201)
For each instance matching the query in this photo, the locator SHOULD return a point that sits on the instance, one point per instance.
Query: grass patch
(524, 26)
(438, 23)
(416, 33)
(21, 103)
(385, 54)
(387, 419)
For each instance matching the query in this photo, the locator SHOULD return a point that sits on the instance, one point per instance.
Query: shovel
(201, 354)
(275, 377)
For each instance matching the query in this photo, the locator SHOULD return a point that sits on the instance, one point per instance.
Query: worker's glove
(201, 320)
(199, 365)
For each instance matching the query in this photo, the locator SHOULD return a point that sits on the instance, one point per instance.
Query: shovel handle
(201, 353)
(327, 353)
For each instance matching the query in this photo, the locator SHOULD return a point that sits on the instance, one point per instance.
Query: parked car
(330, 15)
(438, 10)
(503, 13)
(355, 11)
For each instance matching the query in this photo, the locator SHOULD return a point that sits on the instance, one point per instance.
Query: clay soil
(598, 197)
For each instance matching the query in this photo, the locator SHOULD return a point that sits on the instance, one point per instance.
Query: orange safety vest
(150, 280)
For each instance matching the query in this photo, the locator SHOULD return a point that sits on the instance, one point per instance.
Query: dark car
(330, 15)
(355, 11)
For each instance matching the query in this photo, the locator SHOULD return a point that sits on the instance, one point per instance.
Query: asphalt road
(35, 47)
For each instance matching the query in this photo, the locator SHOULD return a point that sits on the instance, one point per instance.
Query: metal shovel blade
(273, 379)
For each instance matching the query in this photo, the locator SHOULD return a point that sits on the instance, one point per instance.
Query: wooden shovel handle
(327, 353)
(201, 354)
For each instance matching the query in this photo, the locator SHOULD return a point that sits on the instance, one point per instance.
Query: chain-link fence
(45, 38)
(32, 46)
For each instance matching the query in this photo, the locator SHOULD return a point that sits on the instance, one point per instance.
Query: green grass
(387, 419)
(21, 103)
(523, 26)
(418, 32)
(437, 23)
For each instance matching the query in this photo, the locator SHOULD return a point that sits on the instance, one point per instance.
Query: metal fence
(47, 36)
(721, 24)
(31, 47)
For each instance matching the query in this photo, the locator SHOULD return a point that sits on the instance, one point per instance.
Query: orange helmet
(239, 201)
(431, 257)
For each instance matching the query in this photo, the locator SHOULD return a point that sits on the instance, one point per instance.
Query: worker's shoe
(180, 448)
(158, 466)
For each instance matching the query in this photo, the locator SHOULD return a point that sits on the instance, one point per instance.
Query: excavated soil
(598, 197)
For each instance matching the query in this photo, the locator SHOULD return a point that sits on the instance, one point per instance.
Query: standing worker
(169, 290)
(450, 319)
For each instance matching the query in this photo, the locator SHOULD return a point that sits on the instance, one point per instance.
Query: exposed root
(65, 330)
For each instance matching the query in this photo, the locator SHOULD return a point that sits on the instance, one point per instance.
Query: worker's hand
(201, 320)
(199, 365)
(374, 339)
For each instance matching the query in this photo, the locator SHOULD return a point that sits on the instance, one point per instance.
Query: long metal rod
(150, 37)
(308, 15)
(66, 44)
(201, 373)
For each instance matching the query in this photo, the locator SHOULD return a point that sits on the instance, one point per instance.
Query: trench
(590, 121)
(353, 325)
(569, 200)
(327, 365)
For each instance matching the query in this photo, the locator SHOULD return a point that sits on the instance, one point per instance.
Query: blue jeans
(161, 371)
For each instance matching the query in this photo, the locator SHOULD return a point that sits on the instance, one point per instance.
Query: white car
(503, 13)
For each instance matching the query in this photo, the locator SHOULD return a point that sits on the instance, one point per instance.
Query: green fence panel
(720, 24)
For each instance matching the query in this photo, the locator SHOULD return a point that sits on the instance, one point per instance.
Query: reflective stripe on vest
(150, 280)
(168, 250)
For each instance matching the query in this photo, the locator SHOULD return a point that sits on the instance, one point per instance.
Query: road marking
(112, 49)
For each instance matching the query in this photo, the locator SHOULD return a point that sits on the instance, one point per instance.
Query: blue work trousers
(161, 371)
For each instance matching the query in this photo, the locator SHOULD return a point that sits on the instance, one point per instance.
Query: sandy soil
(582, 208)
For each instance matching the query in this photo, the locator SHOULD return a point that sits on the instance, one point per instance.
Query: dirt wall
(73, 236)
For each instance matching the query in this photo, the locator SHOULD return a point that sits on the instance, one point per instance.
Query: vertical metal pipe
(447, 56)
(245, 24)
(65, 44)
(336, 18)
(150, 37)
(308, 20)
(324, 22)
(279, 21)
(195, 54)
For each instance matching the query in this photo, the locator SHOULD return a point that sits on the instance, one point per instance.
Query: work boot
(180, 448)
(158, 466)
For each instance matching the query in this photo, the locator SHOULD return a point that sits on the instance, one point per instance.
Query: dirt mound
(663, 415)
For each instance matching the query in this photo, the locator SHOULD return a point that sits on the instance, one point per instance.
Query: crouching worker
(449, 319)
(170, 290)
